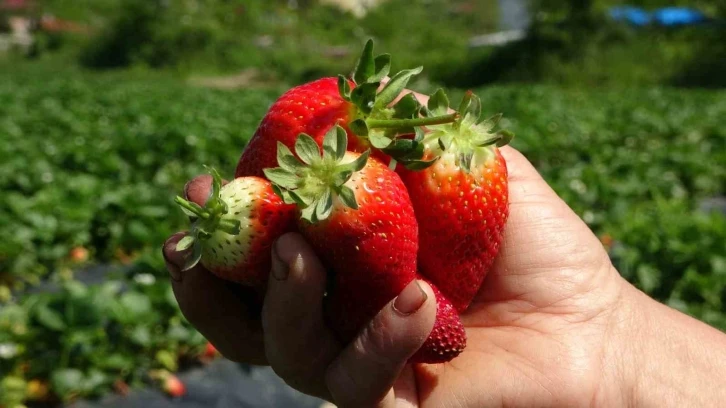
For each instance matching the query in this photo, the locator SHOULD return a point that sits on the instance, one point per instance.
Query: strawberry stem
(210, 218)
(192, 208)
(229, 226)
(402, 123)
(312, 180)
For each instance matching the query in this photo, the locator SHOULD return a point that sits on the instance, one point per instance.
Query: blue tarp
(678, 16)
(629, 14)
(667, 16)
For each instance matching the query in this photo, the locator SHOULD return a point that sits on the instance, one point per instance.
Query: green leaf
(419, 134)
(465, 102)
(66, 381)
(492, 122)
(117, 361)
(136, 304)
(407, 107)
(394, 87)
(94, 380)
(344, 87)
(335, 143)
(418, 165)
(363, 96)
(301, 200)
(445, 141)
(12, 390)
(324, 206)
(438, 103)
(307, 149)
(49, 318)
(216, 182)
(366, 66)
(167, 360)
(359, 127)
(405, 150)
(347, 196)
(282, 177)
(379, 140)
(286, 159)
(308, 214)
(648, 277)
(465, 161)
(141, 335)
(383, 67)
(185, 243)
(473, 111)
(360, 162)
(284, 194)
(505, 137)
(342, 174)
(416, 152)
(400, 146)
(489, 141)
(179, 333)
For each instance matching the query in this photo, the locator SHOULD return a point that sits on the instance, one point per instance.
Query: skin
(554, 324)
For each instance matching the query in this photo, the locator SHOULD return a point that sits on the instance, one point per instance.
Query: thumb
(364, 373)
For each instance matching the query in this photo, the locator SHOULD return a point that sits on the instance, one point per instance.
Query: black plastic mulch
(221, 384)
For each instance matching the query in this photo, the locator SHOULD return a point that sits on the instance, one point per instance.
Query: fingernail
(174, 271)
(279, 269)
(410, 300)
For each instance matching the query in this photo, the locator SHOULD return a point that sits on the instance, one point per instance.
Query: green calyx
(375, 118)
(313, 180)
(469, 137)
(207, 220)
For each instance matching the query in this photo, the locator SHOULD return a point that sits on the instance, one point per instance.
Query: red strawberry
(173, 386)
(448, 337)
(233, 233)
(79, 254)
(121, 387)
(209, 351)
(356, 104)
(358, 217)
(37, 390)
(461, 201)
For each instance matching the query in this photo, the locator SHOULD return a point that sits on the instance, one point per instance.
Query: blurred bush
(295, 43)
(575, 43)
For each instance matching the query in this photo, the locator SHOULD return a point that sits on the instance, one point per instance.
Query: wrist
(662, 357)
(622, 349)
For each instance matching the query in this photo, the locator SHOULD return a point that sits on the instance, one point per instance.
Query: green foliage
(294, 44)
(81, 339)
(596, 52)
(575, 43)
(153, 33)
(677, 259)
(93, 163)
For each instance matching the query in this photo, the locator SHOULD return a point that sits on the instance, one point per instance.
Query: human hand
(286, 329)
(551, 293)
(553, 325)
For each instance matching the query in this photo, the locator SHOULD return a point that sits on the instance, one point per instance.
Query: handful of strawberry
(384, 189)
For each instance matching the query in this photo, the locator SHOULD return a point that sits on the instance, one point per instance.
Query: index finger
(226, 313)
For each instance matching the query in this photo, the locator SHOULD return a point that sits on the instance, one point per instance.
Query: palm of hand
(538, 330)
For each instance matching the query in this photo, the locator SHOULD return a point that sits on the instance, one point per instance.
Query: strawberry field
(89, 165)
